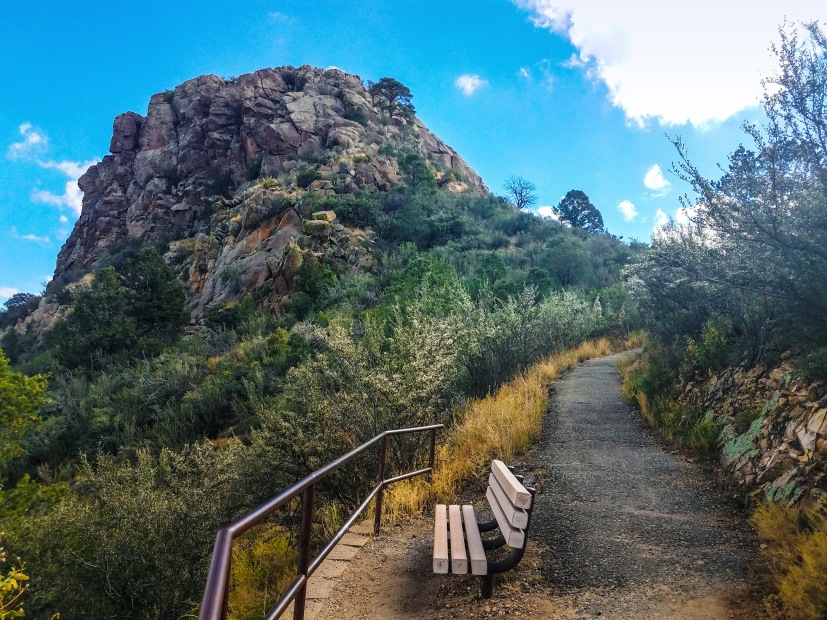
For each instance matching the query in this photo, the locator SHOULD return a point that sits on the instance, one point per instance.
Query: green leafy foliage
(17, 307)
(21, 398)
(306, 176)
(13, 587)
(576, 209)
(134, 540)
(391, 94)
(129, 310)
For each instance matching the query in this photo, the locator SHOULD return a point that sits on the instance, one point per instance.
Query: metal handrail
(216, 592)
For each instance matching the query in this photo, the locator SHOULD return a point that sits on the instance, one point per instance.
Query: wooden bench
(511, 503)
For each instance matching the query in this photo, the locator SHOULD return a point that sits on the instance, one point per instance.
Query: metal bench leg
(487, 585)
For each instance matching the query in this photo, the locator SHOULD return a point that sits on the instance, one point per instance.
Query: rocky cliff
(221, 171)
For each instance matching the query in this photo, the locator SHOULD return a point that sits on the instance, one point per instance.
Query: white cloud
(7, 291)
(277, 16)
(469, 83)
(661, 219)
(655, 181)
(72, 197)
(548, 211)
(30, 237)
(72, 169)
(628, 210)
(34, 141)
(544, 67)
(693, 62)
(545, 73)
(63, 219)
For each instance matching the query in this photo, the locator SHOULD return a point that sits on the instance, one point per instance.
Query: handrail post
(431, 455)
(304, 548)
(380, 480)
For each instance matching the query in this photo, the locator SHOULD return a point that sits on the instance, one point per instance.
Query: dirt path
(622, 529)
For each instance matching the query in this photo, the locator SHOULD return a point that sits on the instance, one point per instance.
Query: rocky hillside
(774, 431)
(226, 172)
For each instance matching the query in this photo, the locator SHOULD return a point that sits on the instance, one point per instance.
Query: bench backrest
(509, 501)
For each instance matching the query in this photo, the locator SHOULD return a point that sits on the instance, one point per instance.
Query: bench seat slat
(516, 516)
(515, 491)
(441, 540)
(514, 537)
(459, 559)
(479, 563)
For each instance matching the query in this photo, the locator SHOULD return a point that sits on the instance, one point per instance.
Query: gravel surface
(619, 514)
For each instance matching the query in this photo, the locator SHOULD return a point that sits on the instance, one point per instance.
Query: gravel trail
(632, 527)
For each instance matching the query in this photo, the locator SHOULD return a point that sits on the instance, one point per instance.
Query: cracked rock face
(209, 137)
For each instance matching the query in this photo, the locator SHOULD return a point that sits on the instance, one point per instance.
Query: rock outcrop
(219, 169)
(774, 431)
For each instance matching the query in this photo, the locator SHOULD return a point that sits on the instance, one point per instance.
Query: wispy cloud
(30, 237)
(662, 65)
(470, 83)
(277, 16)
(542, 69)
(33, 143)
(72, 169)
(655, 181)
(628, 210)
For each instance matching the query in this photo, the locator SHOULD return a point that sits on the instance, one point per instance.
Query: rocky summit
(221, 172)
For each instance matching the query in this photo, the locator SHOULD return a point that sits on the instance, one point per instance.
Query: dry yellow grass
(795, 546)
(501, 426)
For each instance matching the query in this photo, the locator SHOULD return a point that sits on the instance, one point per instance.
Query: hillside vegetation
(162, 421)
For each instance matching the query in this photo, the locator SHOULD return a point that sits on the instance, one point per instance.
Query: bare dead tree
(521, 191)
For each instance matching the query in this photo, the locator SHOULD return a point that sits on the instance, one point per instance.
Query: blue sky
(570, 94)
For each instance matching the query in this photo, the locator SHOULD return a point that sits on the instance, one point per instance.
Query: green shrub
(233, 315)
(357, 114)
(306, 176)
(703, 437)
(710, 352)
(133, 541)
(361, 211)
(813, 365)
(744, 418)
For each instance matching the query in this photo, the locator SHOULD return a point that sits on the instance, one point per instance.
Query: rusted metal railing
(216, 593)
